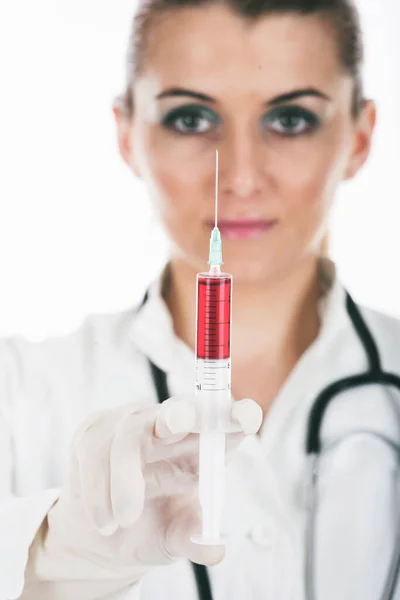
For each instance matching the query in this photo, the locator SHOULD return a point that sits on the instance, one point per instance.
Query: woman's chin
(272, 268)
(249, 272)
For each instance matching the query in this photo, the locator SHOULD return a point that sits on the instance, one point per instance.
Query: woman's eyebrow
(173, 92)
(298, 94)
(184, 92)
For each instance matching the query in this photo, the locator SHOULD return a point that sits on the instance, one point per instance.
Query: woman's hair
(341, 15)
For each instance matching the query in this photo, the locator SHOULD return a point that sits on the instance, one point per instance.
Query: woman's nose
(240, 167)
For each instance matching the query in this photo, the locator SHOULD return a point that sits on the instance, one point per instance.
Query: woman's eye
(291, 120)
(189, 120)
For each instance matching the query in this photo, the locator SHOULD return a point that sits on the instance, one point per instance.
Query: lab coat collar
(332, 304)
(153, 330)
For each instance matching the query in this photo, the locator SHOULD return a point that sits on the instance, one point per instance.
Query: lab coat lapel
(152, 329)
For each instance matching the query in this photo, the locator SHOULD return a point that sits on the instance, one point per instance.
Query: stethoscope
(372, 376)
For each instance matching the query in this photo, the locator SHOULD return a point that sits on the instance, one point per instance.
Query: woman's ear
(362, 138)
(124, 126)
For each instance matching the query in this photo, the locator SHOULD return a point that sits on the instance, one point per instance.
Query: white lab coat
(47, 389)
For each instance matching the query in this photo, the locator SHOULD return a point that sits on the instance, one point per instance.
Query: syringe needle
(216, 189)
(215, 257)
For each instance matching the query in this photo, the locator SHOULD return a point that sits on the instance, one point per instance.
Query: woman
(275, 85)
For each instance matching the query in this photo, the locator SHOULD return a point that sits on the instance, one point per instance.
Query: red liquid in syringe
(213, 316)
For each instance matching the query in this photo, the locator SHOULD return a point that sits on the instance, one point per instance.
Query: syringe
(213, 382)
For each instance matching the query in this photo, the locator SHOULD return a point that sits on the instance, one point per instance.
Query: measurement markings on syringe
(213, 320)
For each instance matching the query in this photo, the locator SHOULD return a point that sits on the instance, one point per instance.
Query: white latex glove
(131, 502)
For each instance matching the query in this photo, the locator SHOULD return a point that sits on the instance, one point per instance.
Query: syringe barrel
(213, 348)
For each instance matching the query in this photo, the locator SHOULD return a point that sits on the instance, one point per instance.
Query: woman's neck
(272, 324)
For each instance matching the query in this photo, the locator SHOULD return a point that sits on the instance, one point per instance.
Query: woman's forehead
(210, 44)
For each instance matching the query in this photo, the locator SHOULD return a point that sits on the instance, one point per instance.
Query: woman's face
(272, 98)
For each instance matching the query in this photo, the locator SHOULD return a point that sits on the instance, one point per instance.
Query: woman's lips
(236, 229)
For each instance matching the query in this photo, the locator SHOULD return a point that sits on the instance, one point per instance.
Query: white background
(73, 221)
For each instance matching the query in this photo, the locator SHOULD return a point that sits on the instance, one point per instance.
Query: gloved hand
(131, 501)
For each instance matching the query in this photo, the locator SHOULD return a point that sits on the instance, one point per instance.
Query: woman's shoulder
(385, 329)
(95, 323)
(94, 334)
(382, 321)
